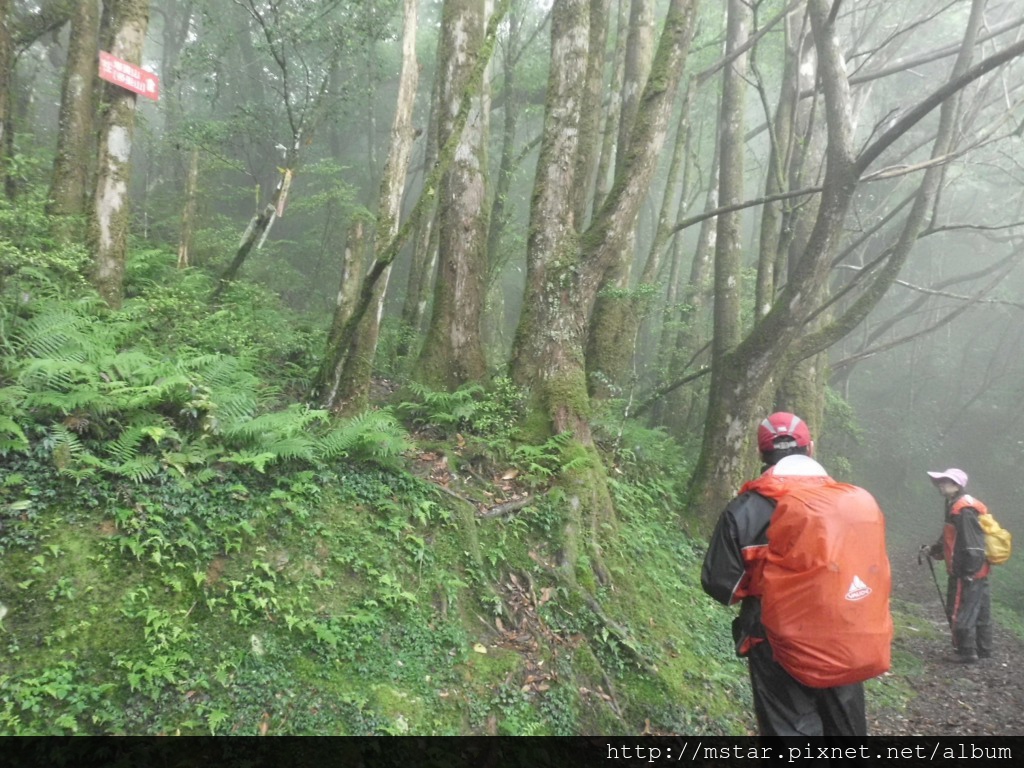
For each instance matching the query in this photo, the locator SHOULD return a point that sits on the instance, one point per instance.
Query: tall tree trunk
(453, 352)
(110, 214)
(347, 372)
(611, 338)
(588, 158)
(685, 408)
(6, 68)
(385, 257)
(564, 269)
(611, 112)
(72, 163)
(188, 212)
(497, 258)
(423, 259)
(783, 136)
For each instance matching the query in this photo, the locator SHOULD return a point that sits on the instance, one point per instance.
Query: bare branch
(934, 100)
(944, 294)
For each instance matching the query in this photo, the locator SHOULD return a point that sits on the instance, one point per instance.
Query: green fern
(275, 425)
(110, 402)
(256, 460)
(138, 468)
(12, 437)
(65, 446)
(370, 436)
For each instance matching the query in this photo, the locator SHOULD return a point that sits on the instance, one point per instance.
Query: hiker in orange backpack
(738, 567)
(962, 546)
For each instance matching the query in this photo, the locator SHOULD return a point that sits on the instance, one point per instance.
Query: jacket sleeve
(723, 568)
(969, 550)
(735, 548)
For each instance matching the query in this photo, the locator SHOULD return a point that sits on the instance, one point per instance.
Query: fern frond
(138, 469)
(295, 447)
(82, 398)
(371, 435)
(51, 330)
(256, 460)
(15, 439)
(277, 424)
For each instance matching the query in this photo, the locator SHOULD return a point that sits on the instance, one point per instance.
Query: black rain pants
(970, 608)
(787, 707)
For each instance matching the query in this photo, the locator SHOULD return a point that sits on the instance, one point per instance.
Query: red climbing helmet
(782, 424)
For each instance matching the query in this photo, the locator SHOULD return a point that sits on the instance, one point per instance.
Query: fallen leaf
(480, 648)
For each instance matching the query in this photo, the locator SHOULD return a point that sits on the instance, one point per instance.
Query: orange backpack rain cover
(825, 603)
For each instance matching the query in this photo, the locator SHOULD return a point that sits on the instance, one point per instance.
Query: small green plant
(541, 463)
(470, 410)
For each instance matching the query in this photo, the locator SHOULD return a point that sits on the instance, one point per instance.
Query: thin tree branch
(969, 302)
(944, 294)
(932, 101)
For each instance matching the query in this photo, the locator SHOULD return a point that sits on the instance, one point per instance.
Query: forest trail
(952, 699)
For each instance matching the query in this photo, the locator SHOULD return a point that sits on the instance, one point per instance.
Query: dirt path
(986, 698)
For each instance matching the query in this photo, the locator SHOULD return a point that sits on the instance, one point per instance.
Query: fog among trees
(663, 213)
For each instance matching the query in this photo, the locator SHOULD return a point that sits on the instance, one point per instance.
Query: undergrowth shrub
(115, 393)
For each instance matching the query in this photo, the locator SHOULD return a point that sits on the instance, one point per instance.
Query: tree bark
(71, 167)
(611, 335)
(611, 112)
(110, 213)
(188, 212)
(564, 269)
(346, 373)
(588, 158)
(423, 259)
(453, 352)
(6, 67)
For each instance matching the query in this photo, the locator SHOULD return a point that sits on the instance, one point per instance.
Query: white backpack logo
(858, 589)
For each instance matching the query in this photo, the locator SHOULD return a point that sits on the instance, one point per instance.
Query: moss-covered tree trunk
(74, 156)
(453, 352)
(565, 267)
(611, 339)
(109, 225)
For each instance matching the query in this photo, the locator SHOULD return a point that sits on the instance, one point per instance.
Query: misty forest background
(386, 373)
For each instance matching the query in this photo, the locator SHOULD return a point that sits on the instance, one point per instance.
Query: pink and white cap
(958, 476)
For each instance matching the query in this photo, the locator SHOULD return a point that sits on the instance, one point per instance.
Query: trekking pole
(923, 553)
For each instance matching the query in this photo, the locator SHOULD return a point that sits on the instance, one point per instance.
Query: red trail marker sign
(129, 76)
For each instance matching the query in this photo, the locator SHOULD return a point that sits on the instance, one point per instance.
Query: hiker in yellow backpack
(962, 547)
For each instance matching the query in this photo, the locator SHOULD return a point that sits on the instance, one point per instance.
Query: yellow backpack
(998, 541)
